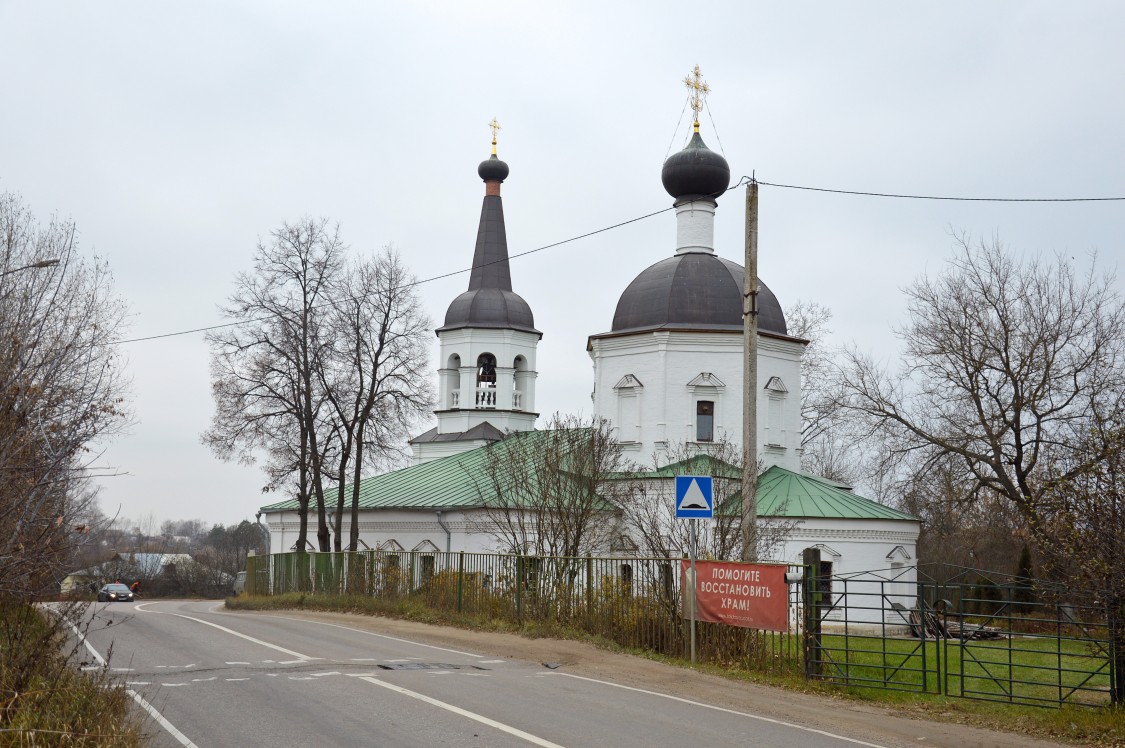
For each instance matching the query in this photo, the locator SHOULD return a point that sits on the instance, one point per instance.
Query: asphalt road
(211, 678)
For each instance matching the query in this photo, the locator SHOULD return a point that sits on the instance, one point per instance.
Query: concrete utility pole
(750, 382)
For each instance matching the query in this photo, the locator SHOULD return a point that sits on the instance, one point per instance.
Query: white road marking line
(440, 672)
(123, 669)
(138, 683)
(163, 722)
(229, 631)
(365, 659)
(321, 675)
(533, 739)
(490, 662)
(362, 675)
(404, 659)
(173, 685)
(298, 677)
(204, 680)
(293, 662)
(88, 668)
(723, 709)
(233, 680)
(238, 663)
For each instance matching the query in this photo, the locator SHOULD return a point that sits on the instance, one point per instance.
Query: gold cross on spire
(699, 90)
(495, 127)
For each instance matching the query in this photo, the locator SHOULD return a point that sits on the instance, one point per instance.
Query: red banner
(750, 595)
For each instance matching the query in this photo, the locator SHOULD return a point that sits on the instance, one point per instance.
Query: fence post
(1116, 621)
(460, 579)
(810, 557)
(519, 588)
(589, 591)
(251, 573)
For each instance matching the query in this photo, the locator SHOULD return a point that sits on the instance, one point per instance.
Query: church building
(668, 375)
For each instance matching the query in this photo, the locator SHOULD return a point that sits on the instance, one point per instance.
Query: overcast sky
(176, 135)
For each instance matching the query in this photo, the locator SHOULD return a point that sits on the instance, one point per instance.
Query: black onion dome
(493, 169)
(693, 291)
(490, 308)
(695, 171)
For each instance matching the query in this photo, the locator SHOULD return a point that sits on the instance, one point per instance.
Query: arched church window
(486, 370)
(704, 421)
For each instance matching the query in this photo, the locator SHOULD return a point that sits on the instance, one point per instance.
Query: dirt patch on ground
(877, 724)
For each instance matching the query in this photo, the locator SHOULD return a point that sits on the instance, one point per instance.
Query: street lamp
(41, 264)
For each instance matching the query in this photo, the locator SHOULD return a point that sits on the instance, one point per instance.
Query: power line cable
(410, 285)
(740, 182)
(935, 197)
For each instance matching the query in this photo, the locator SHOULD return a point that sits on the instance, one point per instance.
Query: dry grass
(45, 700)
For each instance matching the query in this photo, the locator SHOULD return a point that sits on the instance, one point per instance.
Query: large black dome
(490, 308)
(693, 291)
(696, 171)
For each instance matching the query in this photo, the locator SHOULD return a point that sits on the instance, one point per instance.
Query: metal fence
(633, 602)
(996, 643)
(873, 629)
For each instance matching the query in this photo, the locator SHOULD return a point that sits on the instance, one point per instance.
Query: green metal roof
(447, 482)
(783, 493)
(456, 481)
(453, 482)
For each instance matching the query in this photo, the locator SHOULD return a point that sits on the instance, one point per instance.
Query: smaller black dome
(696, 171)
(489, 307)
(493, 169)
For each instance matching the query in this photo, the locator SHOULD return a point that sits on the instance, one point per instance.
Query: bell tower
(488, 343)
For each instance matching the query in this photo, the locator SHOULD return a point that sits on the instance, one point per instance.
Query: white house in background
(668, 373)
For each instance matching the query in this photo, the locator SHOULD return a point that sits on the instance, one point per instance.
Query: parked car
(115, 592)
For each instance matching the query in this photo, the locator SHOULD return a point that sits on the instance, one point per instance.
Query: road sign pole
(694, 543)
(695, 500)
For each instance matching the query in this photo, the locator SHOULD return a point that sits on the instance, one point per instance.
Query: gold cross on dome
(699, 90)
(495, 127)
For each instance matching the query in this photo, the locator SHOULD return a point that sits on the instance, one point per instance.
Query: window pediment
(776, 385)
(628, 382)
(706, 379)
(425, 546)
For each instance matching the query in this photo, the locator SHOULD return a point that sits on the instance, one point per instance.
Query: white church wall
(399, 529)
(660, 399)
(878, 558)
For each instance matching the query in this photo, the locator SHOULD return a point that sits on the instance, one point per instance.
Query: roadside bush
(44, 698)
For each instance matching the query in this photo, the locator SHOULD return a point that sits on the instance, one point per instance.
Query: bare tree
(324, 372)
(1082, 531)
(62, 392)
(1005, 361)
(263, 370)
(375, 374)
(552, 493)
(830, 435)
